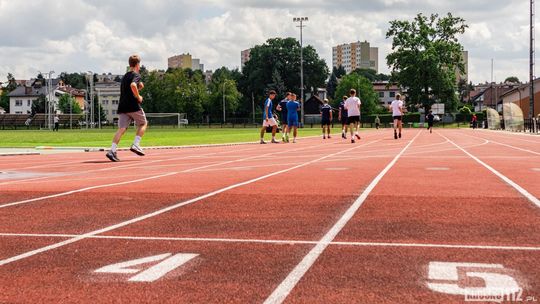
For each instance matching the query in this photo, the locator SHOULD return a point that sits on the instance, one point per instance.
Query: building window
(381, 94)
(18, 112)
(114, 112)
(392, 94)
(18, 103)
(29, 103)
(115, 102)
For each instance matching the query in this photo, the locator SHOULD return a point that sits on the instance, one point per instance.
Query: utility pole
(91, 82)
(224, 101)
(531, 62)
(50, 104)
(253, 106)
(301, 26)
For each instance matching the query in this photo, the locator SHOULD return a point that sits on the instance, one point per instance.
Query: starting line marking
(280, 242)
(438, 169)
(536, 169)
(337, 169)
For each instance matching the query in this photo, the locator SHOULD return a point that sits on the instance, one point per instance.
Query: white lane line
(130, 182)
(536, 169)
(279, 242)
(437, 169)
(283, 290)
(167, 209)
(510, 182)
(506, 145)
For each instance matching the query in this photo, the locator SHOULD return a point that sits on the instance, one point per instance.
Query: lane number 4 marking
(167, 263)
(455, 278)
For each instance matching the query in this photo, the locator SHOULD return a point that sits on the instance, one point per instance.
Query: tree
(39, 105)
(426, 55)
(282, 57)
(223, 86)
(331, 86)
(339, 71)
(68, 105)
(75, 80)
(365, 91)
(512, 79)
(4, 97)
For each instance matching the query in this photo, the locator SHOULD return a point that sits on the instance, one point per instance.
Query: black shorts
(283, 119)
(325, 122)
(344, 121)
(353, 119)
(430, 124)
(397, 117)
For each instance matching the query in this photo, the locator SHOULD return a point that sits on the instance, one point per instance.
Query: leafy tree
(282, 57)
(223, 86)
(512, 79)
(39, 105)
(67, 105)
(426, 55)
(75, 80)
(339, 71)
(331, 86)
(365, 91)
(4, 97)
(371, 74)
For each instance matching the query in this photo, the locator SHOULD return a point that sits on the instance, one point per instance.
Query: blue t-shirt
(342, 109)
(292, 110)
(283, 105)
(325, 111)
(268, 103)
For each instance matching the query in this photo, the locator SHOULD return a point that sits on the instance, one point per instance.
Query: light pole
(50, 107)
(91, 82)
(301, 26)
(224, 101)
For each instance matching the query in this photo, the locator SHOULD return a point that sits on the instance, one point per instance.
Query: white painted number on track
(168, 263)
(452, 278)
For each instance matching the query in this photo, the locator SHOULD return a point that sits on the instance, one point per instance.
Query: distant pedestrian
(129, 109)
(397, 114)
(343, 118)
(56, 123)
(282, 107)
(352, 104)
(377, 122)
(326, 119)
(293, 107)
(268, 118)
(474, 121)
(430, 120)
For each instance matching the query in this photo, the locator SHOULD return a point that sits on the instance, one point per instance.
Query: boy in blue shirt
(282, 107)
(268, 119)
(292, 117)
(326, 118)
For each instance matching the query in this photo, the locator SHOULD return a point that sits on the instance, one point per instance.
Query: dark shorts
(353, 119)
(292, 122)
(325, 122)
(397, 117)
(344, 121)
(430, 124)
(284, 119)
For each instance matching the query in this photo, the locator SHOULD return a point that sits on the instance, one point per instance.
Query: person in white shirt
(352, 104)
(397, 114)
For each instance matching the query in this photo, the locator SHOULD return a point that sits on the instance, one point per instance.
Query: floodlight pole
(301, 26)
(531, 62)
(223, 101)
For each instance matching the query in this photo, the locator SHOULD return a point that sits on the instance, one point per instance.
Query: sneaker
(263, 142)
(294, 141)
(352, 141)
(357, 136)
(137, 150)
(329, 137)
(399, 135)
(112, 156)
(324, 137)
(275, 141)
(343, 136)
(395, 135)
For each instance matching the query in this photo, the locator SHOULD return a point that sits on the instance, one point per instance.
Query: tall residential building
(465, 75)
(185, 61)
(108, 94)
(245, 55)
(356, 55)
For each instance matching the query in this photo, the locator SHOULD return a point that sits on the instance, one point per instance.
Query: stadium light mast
(531, 62)
(301, 26)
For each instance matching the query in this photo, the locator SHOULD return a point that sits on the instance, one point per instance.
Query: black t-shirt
(430, 118)
(283, 105)
(128, 103)
(342, 109)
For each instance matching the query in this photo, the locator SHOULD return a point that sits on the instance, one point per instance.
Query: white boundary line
(506, 145)
(170, 208)
(510, 182)
(138, 180)
(287, 285)
(279, 242)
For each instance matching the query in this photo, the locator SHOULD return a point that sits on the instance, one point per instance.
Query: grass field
(153, 137)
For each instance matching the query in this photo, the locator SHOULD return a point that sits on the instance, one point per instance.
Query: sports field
(154, 137)
(431, 218)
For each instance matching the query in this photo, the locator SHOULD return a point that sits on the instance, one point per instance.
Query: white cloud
(99, 35)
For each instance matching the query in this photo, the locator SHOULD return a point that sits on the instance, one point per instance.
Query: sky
(100, 35)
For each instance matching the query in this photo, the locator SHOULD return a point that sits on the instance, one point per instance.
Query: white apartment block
(356, 55)
(108, 94)
(245, 55)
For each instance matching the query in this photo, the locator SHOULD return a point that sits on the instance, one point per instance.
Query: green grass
(153, 137)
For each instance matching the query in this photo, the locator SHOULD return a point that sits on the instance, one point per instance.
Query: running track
(430, 218)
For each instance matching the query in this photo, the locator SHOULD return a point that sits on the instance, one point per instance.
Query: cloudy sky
(99, 35)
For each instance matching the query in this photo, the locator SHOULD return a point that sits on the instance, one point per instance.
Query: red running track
(430, 218)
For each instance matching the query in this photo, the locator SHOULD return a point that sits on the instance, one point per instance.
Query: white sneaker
(137, 150)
